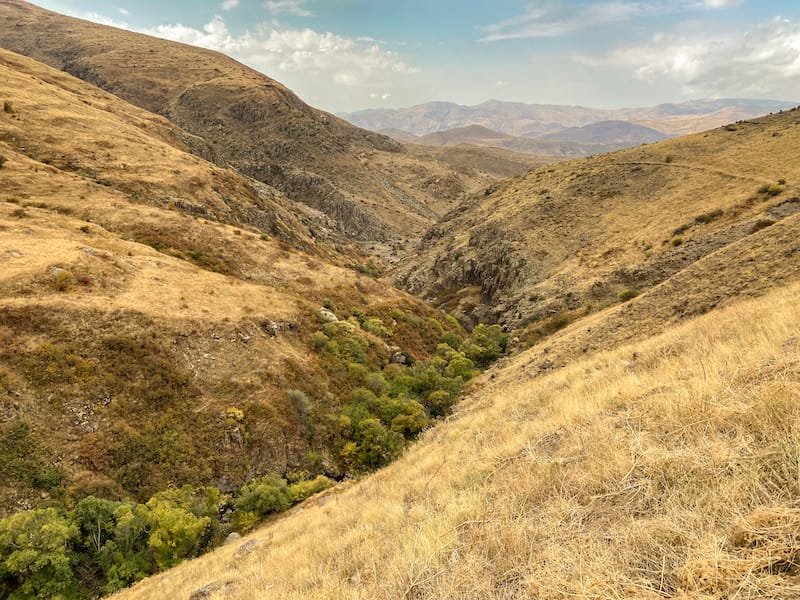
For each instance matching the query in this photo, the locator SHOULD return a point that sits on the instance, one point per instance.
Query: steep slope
(520, 119)
(672, 474)
(568, 239)
(242, 118)
(160, 316)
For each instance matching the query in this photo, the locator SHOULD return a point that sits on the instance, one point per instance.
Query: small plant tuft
(677, 241)
(628, 294)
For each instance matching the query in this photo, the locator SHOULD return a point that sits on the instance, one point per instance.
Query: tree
(34, 558)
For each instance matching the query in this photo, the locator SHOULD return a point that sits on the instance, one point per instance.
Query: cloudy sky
(345, 55)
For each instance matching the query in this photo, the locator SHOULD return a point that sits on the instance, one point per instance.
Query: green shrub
(319, 341)
(302, 490)
(629, 294)
(34, 559)
(677, 241)
(376, 445)
(264, 496)
(451, 339)
(486, 344)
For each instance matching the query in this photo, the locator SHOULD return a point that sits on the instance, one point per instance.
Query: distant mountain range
(573, 142)
(542, 120)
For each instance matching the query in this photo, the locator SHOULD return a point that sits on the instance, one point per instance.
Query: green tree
(263, 496)
(376, 445)
(175, 533)
(487, 343)
(34, 555)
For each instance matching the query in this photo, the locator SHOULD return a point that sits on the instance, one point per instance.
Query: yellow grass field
(667, 469)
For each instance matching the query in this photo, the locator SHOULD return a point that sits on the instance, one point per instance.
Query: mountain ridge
(532, 120)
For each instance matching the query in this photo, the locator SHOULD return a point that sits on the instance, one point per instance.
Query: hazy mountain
(519, 119)
(607, 132)
(547, 149)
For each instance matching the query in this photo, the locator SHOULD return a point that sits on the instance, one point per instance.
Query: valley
(499, 351)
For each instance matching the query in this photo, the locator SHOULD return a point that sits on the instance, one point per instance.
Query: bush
(628, 295)
(452, 340)
(305, 489)
(264, 496)
(34, 562)
(486, 344)
(677, 241)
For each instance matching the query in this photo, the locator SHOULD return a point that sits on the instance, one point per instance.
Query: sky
(347, 55)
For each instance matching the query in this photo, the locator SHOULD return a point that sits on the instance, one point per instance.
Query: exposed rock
(247, 547)
(205, 592)
(232, 537)
(326, 316)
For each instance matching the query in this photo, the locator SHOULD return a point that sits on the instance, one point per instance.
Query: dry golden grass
(110, 229)
(668, 469)
(575, 235)
(237, 116)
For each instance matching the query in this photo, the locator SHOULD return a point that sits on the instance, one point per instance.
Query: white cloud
(103, 20)
(310, 62)
(287, 7)
(762, 63)
(559, 17)
(229, 4)
(721, 3)
(124, 11)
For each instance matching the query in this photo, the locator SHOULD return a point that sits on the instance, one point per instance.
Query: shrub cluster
(100, 546)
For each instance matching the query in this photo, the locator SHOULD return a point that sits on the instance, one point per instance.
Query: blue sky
(344, 55)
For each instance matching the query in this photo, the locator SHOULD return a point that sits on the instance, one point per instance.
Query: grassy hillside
(668, 468)
(699, 220)
(240, 117)
(160, 317)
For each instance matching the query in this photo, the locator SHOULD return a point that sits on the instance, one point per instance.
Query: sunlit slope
(367, 183)
(567, 240)
(156, 309)
(668, 468)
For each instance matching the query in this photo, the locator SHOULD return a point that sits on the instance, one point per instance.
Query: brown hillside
(670, 476)
(157, 310)
(558, 149)
(697, 220)
(243, 118)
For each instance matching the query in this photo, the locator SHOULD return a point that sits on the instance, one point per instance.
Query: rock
(205, 592)
(248, 547)
(232, 537)
(326, 316)
(398, 358)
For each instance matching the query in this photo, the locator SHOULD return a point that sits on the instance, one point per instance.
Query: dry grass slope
(231, 114)
(668, 469)
(572, 238)
(145, 292)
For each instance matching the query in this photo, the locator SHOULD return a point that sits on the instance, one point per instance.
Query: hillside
(237, 116)
(691, 214)
(556, 149)
(532, 120)
(664, 469)
(620, 133)
(645, 450)
(161, 318)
